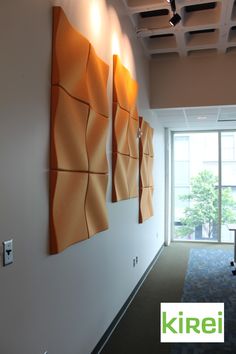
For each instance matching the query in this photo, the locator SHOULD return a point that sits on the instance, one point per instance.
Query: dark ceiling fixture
(172, 5)
(176, 17)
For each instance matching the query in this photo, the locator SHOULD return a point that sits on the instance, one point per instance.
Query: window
(228, 147)
(204, 186)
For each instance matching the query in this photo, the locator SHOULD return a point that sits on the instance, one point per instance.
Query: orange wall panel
(125, 88)
(68, 132)
(133, 138)
(76, 67)
(125, 129)
(132, 178)
(145, 171)
(144, 205)
(144, 177)
(69, 56)
(120, 166)
(79, 127)
(150, 169)
(150, 144)
(144, 137)
(97, 76)
(67, 220)
(121, 125)
(96, 138)
(95, 206)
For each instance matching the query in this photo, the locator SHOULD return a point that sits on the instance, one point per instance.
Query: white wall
(63, 303)
(198, 80)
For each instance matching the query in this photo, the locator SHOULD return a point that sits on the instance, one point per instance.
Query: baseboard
(124, 308)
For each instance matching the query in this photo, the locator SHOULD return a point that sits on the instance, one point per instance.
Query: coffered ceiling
(205, 26)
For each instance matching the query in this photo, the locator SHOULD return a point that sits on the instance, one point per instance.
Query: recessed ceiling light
(201, 117)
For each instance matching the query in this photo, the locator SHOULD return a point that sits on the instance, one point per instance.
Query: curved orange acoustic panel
(150, 145)
(132, 177)
(67, 214)
(145, 171)
(144, 126)
(96, 138)
(146, 204)
(76, 67)
(69, 57)
(79, 127)
(68, 132)
(150, 168)
(133, 138)
(95, 205)
(97, 76)
(134, 113)
(121, 125)
(120, 166)
(125, 129)
(125, 88)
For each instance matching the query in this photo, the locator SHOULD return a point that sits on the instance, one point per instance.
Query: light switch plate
(7, 252)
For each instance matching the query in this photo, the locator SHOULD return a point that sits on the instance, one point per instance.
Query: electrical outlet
(7, 252)
(134, 262)
(136, 259)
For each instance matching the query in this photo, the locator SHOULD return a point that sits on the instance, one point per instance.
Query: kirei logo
(192, 322)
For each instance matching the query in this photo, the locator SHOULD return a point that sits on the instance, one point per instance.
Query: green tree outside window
(203, 209)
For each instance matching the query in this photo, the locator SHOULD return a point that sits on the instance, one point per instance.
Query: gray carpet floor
(138, 332)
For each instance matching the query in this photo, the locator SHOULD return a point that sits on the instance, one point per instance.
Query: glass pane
(196, 186)
(228, 198)
(181, 173)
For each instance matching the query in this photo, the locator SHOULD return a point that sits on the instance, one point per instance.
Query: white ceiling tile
(186, 118)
